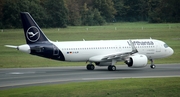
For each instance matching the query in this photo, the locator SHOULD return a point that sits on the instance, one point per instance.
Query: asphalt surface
(14, 77)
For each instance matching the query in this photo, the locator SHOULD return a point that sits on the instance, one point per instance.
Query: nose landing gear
(152, 64)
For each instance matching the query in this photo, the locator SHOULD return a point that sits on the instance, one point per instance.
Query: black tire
(90, 67)
(153, 66)
(112, 68)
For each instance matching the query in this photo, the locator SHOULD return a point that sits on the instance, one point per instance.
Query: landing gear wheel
(112, 68)
(153, 66)
(90, 67)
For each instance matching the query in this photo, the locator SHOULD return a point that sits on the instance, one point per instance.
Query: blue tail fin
(32, 31)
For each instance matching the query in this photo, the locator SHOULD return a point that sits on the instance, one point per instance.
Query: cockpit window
(166, 46)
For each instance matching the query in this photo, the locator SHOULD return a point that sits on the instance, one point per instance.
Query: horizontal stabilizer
(11, 46)
(24, 48)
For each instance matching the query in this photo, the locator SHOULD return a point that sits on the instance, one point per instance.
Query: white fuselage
(83, 50)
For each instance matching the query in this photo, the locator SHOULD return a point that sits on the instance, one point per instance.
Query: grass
(10, 58)
(147, 87)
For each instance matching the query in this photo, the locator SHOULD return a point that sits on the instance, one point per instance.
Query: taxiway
(18, 77)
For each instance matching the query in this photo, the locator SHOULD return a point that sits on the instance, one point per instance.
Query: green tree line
(61, 13)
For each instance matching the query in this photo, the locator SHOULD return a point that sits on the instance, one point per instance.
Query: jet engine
(137, 61)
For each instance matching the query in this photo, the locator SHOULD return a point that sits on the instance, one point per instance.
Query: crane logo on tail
(33, 34)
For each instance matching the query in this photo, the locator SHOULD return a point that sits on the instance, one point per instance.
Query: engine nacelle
(103, 63)
(137, 61)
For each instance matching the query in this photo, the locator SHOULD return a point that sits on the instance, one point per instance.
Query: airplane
(135, 53)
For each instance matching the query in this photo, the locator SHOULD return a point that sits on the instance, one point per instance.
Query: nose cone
(171, 51)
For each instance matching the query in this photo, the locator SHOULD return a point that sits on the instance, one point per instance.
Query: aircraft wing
(107, 57)
(114, 56)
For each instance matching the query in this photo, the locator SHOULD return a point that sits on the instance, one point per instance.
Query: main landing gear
(90, 66)
(112, 68)
(152, 64)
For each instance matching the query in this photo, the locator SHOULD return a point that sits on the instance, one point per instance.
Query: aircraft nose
(171, 51)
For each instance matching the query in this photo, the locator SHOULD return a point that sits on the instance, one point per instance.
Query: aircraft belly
(82, 56)
(76, 58)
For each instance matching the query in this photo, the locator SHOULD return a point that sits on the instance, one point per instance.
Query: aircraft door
(158, 47)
